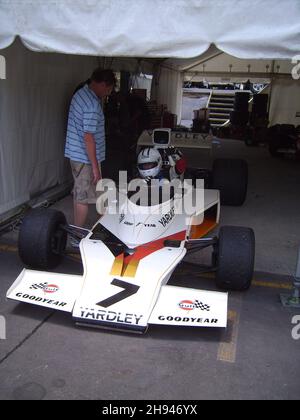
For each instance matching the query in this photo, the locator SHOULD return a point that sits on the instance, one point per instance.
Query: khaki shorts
(84, 190)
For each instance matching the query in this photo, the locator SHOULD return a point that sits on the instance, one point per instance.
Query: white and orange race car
(128, 258)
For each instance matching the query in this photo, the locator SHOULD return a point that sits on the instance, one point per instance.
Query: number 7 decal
(129, 290)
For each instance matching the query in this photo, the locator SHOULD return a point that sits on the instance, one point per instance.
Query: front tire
(41, 240)
(235, 258)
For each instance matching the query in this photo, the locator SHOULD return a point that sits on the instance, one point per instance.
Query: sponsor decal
(128, 223)
(166, 219)
(189, 305)
(147, 225)
(37, 286)
(122, 217)
(188, 319)
(46, 287)
(51, 288)
(41, 300)
(189, 136)
(110, 316)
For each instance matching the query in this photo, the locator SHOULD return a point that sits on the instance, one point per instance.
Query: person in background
(126, 117)
(85, 139)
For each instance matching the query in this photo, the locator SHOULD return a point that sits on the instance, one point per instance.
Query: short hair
(104, 75)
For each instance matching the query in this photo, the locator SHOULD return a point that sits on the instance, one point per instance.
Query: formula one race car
(128, 258)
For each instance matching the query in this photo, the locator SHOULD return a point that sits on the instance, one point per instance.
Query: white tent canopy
(160, 28)
(69, 38)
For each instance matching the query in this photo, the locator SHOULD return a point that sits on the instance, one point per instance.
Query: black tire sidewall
(230, 177)
(36, 235)
(235, 258)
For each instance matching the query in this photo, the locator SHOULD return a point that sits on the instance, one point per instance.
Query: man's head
(102, 82)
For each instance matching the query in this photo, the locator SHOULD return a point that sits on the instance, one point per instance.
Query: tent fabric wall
(285, 102)
(160, 28)
(133, 65)
(142, 81)
(34, 102)
(167, 89)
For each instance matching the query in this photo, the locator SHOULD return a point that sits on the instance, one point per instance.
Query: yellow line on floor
(272, 285)
(255, 282)
(11, 248)
(227, 348)
(75, 256)
(8, 248)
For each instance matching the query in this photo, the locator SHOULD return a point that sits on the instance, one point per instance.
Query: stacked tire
(230, 177)
(259, 116)
(282, 136)
(240, 115)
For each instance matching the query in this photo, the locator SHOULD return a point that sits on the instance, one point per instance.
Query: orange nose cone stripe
(117, 266)
(129, 270)
(127, 266)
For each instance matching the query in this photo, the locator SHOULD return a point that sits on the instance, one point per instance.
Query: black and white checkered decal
(201, 306)
(189, 305)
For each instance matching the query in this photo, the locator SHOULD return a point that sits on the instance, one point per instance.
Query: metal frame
(195, 245)
(75, 231)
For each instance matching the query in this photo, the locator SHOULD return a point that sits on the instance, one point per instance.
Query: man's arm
(91, 151)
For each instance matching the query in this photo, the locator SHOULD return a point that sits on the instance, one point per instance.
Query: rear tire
(235, 258)
(274, 145)
(230, 177)
(41, 241)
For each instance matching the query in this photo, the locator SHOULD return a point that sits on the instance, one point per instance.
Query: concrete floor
(45, 356)
(272, 207)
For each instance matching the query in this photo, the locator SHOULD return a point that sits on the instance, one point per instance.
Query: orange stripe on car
(127, 266)
(117, 266)
(198, 231)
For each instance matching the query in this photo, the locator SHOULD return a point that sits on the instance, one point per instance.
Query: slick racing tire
(41, 240)
(274, 146)
(230, 177)
(235, 255)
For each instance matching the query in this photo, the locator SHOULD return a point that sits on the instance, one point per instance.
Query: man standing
(85, 143)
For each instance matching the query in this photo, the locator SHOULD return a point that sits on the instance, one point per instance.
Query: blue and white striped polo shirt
(85, 116)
